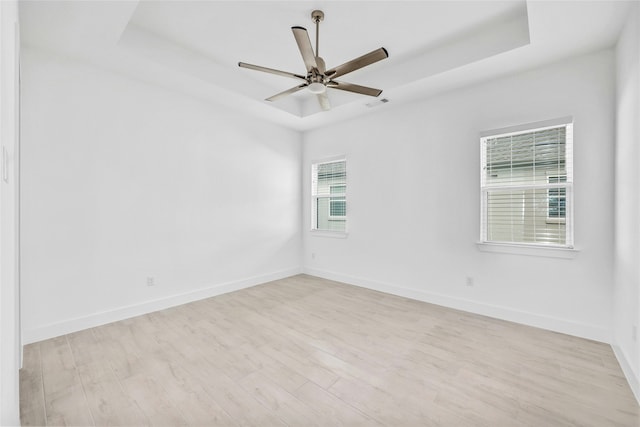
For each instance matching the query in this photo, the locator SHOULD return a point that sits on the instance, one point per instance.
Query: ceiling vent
(377, 102)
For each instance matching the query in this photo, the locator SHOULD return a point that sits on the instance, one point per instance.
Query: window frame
(315, 198)
(566, 122)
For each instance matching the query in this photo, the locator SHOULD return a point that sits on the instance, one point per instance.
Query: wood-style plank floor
(305, 351)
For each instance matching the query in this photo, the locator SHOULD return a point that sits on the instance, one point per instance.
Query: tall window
(526, 186)
(329, 196)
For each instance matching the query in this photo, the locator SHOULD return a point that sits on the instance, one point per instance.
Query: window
(526, 185)
(329, 198)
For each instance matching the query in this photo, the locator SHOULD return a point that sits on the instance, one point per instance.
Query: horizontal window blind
(329, 198)
(527, 187)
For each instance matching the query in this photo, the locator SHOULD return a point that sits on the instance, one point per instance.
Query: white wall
(626, 297)
(124, 180)
(413, 200)
(9, 152)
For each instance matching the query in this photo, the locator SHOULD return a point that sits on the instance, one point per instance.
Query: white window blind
(329, 196)
(527, 186)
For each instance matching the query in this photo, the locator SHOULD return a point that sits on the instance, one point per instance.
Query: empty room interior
(320, 213)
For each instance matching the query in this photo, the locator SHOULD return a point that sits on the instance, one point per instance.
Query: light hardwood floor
(305, 351)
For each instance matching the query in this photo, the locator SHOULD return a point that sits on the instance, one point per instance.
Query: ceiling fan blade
(271, 71)
(286, 92)
(323, 99)
(350, 87)
(304, 44)
(356, 64)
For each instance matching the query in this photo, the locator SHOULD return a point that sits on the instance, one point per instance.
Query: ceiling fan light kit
(317, 87)
(317, 78)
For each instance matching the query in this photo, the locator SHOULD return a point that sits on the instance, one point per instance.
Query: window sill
(331, 234)
(541, 251)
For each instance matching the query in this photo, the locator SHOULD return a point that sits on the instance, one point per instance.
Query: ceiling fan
(318, 78)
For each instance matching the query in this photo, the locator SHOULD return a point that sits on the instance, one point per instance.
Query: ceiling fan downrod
(317, 16)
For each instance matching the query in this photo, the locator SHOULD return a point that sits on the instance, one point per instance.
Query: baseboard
(582, 330)
(96, 319)
(631, 376)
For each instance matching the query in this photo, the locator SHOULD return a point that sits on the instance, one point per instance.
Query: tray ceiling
(433, 46)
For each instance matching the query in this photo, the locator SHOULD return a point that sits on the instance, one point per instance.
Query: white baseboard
(632, 377)
(582, 330)
(96, 319)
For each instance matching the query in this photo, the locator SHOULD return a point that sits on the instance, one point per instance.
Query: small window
(329, 196)
(526, 185)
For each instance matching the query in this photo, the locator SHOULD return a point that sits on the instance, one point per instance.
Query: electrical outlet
(313, 255)
(151, 281)
(469, 281)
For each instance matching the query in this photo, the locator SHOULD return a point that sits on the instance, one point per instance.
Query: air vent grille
(377, 102)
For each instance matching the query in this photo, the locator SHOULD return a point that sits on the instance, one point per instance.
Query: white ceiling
(194, 47)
